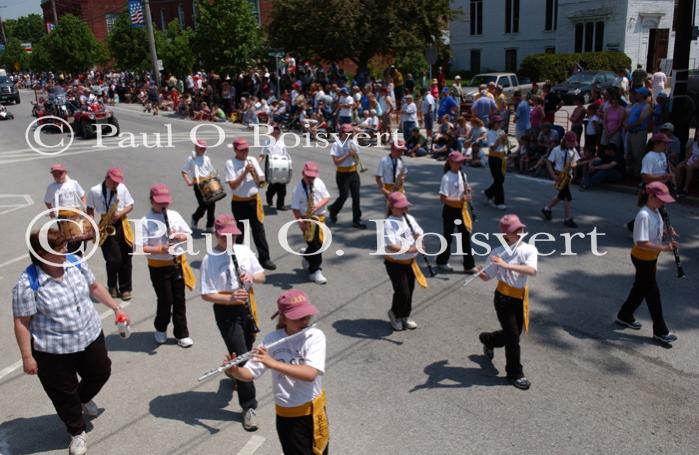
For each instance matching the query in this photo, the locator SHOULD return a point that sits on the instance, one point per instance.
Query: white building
(496, 35)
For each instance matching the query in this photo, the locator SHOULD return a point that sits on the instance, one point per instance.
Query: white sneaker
(501, 207)
(250, 420)
(409, 323)
(160, 337)
(90, 409)
(78, 444)
(185, 342)
(318, 278)
(396, 323)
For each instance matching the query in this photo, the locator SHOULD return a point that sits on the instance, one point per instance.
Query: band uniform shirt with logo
(386, 169)
(198, 166)
(66, 194)
(492, 137)
(299, 200)
(524, 254)
(654, 163)
(218, 271)
(398, 233)
(96, 200)
(452, 185)
(559, 156)
(307, 349)
(275, 148)
(648, 226)
(340, 148)
(248, 187)
(154, 233)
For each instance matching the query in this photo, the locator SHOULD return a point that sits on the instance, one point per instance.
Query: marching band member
(401, 233)
(560, 163)
(196, 170)
(309, 202)
(244, 176)
(67, 196)
(512, 270)
(225, 281)
(455, 194)
(497, 162)
(167, 263)
(274, 148)
(59, 332)
(118, 238)
(346, 160)
(390, 175)
(297, 367)
(648, 231)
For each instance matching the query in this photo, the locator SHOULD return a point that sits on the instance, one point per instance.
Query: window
(579, 31)
(475, 61)
(111, 19)
(551, 15)
(504, 82)
(511, 16)
(599, 36)
(163, 23)
(256, 10)
(510, 65)
(476, 17)
(675, 19)
(180, 15)
(589, 36)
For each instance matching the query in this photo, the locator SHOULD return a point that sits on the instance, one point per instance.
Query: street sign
(277, 54)
(431, 54)
(160, 65)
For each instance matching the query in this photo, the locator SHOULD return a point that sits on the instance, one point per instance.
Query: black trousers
(449, 214)
(169, 290)
(347, 184)
(496, 191)
(232, 323)
(119, 265)
(511, 316)
(296, 435)
(209, 209)
(403, 281)
(280, 190)
(315, 261)
(564, 194)
(59, 373)
(645, 287)
(247, 210)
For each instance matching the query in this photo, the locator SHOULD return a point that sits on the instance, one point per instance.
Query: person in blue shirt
(484, 107)
(522, 113)
(447, 104)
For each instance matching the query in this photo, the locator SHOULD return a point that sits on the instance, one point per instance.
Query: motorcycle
(4, 114)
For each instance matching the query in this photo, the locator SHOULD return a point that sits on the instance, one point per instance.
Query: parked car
(508, 81)
(581, 84)
(8, 91)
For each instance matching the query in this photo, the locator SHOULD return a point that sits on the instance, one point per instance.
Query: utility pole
(151, 42)
(55, 14)
(2, 28)
(680, 73)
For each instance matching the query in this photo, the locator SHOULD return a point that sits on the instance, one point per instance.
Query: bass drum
(278, 169)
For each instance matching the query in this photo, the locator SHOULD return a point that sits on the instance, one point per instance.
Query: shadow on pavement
(35, 434)
(137, 342)
(442, 376)
(374, 329)
(287, 280)
(192, 407)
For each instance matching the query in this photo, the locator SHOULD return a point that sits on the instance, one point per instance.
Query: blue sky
(16, 8)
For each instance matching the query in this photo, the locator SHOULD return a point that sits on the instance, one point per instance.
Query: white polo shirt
(648, 226)
(66, 194)
(398, 233)
(218, 272)
(198, 166)
(524, 254)
(248, 188)
(559, 156)
(299, 200)
(390, 168)
(100, 202)
(654, 163)
(153, 233)
(453, 184)
(340, 148)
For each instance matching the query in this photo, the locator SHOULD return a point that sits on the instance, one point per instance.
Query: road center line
(252, 445)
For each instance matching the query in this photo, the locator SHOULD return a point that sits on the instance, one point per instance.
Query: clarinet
(175, 262)
(467, 188)
(423, 255)
(675, 251)
(253, 323)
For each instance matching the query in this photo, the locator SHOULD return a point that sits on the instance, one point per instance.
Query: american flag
(136, 13)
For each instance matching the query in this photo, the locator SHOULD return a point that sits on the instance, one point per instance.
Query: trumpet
(255, 176)
(358, 161)
(106, 225)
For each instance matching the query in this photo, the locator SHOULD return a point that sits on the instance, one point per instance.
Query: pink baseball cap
(115, 174)
(160, 194)
(58, 167)
(398, 200)
(294, 305)
(310, 169)
(202, 143)
(660, 137)
(346, 128)
(457, 157)
(570, 138)
(509, 224)
(398, 145)
(226, 224)
(659, 190)
(241, 144)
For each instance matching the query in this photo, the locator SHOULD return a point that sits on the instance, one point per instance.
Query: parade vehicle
(4, 114)
(508, 81)
(8, 90)
(87, 120)
(83, 119)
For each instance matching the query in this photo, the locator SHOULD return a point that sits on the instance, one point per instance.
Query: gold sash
(644, 254)
(503, 159)
(315, 408)
(69, 213)
(260, 210)
(128, 231)
(190, 279)
(251, 299)
(419, 277)
(465, 214)
(347, 169)
(389, 187)
(517, 293)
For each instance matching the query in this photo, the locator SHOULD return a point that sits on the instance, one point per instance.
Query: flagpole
(151, 42)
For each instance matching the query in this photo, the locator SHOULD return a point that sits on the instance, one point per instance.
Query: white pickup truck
(509, 82)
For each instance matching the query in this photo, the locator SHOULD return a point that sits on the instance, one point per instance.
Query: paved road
(596, 389)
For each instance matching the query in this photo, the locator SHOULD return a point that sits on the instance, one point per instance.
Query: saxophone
(106, 224)
(310, 232)
(565, 179)
(398, 181)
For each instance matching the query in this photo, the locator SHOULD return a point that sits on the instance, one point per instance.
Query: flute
(424, 256)
(490, 264)
(675, 251)
(248, 355)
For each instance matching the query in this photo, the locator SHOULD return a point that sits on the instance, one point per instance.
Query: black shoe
(570, 223)
(668, 338)
(631, 325)
(283, 208)
(488, 352)
(333, 219)
(546, 214)
(521, 383)
(358, 225)
(268, 265)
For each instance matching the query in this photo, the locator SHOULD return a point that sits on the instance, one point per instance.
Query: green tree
(13, 56)
(128, 45)
(174, 48)
(28, 29)
(227, 36)
(40, 58)
(358, 29)
(72, 47)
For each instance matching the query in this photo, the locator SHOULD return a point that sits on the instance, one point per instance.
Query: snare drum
(76, 228)
(278, 169)
(212, 190)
